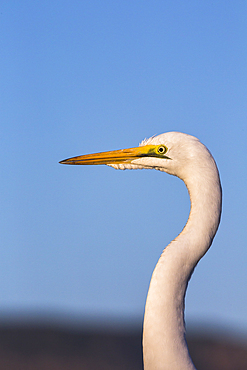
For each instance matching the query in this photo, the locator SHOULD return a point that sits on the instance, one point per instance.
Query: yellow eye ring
(162, 149)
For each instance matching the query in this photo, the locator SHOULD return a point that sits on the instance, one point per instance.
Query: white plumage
(184, 156)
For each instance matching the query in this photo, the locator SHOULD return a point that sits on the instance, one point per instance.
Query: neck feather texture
(164, 343)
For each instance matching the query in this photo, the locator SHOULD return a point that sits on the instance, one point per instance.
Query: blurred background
(79, 244)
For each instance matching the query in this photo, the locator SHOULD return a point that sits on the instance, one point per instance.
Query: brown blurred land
(43, 347)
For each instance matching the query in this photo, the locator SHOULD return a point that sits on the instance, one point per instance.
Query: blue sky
(80, 77)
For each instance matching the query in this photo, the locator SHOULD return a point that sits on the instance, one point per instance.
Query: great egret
(184, 156)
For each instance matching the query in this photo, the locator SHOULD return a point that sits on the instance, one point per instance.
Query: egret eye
(162, 149)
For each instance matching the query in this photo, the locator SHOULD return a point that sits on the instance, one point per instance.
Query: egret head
(171, 152)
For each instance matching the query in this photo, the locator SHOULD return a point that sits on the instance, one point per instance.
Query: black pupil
(161, 150)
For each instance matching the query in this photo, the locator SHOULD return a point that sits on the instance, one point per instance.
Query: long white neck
(164, 343)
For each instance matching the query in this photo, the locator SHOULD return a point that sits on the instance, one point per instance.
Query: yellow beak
(116, 156)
